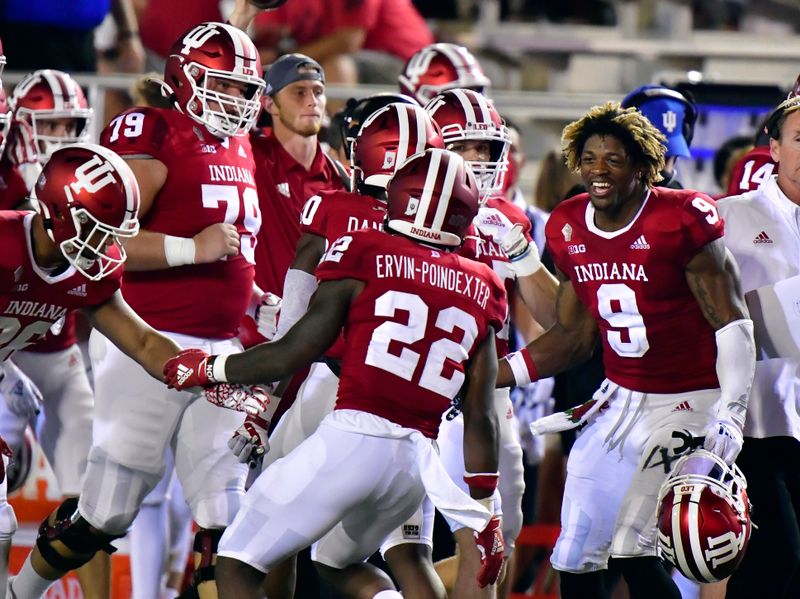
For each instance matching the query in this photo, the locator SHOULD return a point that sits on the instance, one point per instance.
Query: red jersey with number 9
(209, 180)
(410, 332)
(633, 281)
(31, 300)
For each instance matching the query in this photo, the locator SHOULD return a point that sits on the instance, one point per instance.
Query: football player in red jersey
(646, 269)
(67, 257)
(500, 238)
(420, 322)
(50, 110)
(386, 139)
(190, 274)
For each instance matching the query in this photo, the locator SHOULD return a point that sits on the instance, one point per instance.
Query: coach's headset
(646, 93)
(772, 125)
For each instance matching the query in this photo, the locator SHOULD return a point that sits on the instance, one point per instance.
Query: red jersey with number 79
(210, 180)
(412, 329)
(633, 281)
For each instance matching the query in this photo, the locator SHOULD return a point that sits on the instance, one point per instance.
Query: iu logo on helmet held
(704, 517)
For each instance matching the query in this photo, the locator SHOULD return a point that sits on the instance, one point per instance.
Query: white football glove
(250, 442)
(267, 313)
(21, 394)
(724, 439)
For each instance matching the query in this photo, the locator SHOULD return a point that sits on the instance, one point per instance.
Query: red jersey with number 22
(31, 300)
(633, 281)
(410, 332)
(209, 181)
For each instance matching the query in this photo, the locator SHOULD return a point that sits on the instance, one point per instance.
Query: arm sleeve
(298, 288)
(736, 364)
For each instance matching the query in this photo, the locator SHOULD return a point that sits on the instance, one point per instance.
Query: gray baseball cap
(290, 68)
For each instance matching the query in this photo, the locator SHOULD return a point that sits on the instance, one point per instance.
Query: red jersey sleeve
(346, 258)
(701, 223)
(139, 131)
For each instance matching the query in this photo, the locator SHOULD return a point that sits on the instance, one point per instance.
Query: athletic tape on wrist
(522, 367)
(178, 250)
(218, 369)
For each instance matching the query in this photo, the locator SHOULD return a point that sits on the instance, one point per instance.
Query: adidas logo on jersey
(640, 244)
(683, 407)
(242, 153)
(283, 189)
(762, 238)
(80, 290)
(184, 373)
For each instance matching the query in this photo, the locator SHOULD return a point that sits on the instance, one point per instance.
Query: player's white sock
(388, 595)
(148, 550)
(28, 583)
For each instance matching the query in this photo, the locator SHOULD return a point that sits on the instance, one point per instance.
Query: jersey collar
(612, 234)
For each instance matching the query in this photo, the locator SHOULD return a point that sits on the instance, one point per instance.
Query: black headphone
(642, 95)
(358, 110)
(772, 125)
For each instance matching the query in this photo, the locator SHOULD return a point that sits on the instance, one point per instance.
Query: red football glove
(190, 368)
(241, 398)
(491, 546)
(6, 451)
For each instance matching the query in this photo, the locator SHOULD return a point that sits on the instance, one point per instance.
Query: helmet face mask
(465, 115)
(89, 200)
(703, 517)
(202, 61)
(433, 198)
(5, 120)
(359, 110)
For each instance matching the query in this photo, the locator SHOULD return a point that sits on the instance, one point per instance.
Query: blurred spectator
(354, 40)
(333, 136)
(727, 156)
(162, 22)
(53, 34)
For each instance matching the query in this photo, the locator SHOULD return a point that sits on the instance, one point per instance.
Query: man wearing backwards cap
(290, 165)
(674, 115)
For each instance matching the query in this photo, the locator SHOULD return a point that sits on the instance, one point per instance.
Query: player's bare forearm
(308, 252)
(713, 278)
(145, 251)
(539, 292)
(137, 339)
(567, 343)
(305, 342)
(480, 417)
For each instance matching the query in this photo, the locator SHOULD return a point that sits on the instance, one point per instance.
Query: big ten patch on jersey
(411, 330)
(331, 214)
(32, 302)
(633, 281)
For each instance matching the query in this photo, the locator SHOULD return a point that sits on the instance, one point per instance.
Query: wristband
(522, 367)
(178, 250)
(527, 263)
(218, 369)
(485, 481)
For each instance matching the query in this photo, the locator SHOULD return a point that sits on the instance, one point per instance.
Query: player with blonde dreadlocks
(645, 268)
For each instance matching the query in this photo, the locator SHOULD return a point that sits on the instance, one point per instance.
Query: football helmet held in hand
(703, 517)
